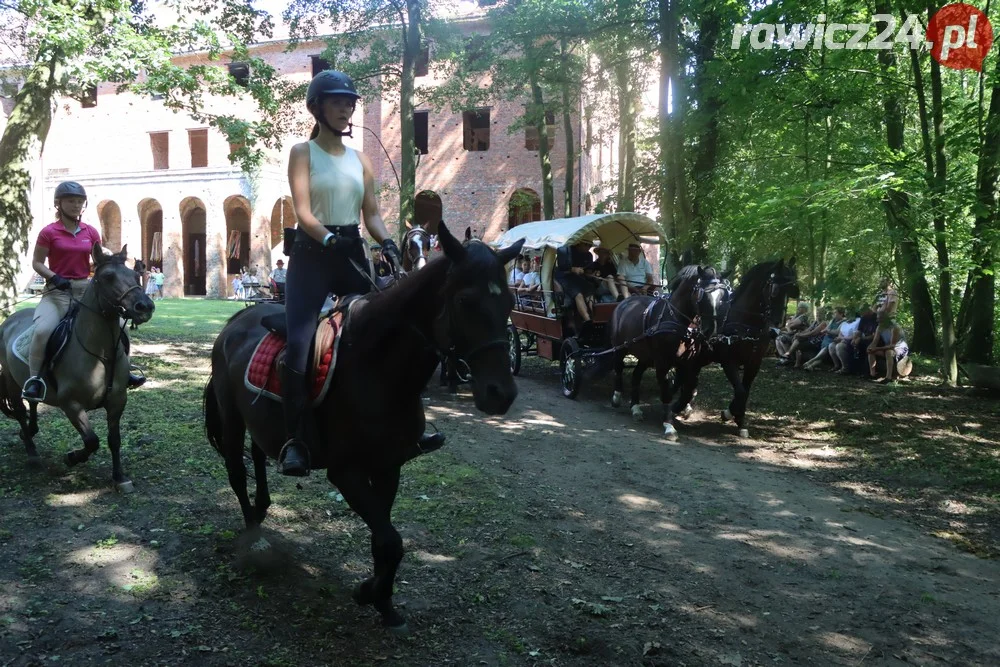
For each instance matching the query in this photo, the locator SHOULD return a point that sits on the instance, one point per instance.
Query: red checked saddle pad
(263, 375)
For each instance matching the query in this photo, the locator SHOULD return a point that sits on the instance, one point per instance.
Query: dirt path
(724, 560)
(561, 534)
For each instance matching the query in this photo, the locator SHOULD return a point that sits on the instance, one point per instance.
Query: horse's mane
(754, 277)
(690, 271)
(380, 305)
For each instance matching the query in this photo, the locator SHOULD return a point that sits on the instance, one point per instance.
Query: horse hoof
(260, 546)
(402, 630)
(669, 430)
(362, 594)
(687, 411)
(616, 399)
(637, 413)
(726, 415)
(34, 461)
(125, 487)
(744, 433)
(70, 460)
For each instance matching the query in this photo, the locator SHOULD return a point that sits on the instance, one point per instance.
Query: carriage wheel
(514, 338)
(570, 368)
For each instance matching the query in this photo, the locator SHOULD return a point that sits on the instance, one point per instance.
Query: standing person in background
(159, 281)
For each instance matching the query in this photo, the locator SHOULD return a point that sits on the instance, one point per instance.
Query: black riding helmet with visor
(69, 189)
(325, 84)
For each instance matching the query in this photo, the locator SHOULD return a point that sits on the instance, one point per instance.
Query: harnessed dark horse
(740, 341)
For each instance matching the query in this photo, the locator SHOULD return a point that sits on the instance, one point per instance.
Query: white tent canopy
(613, 231)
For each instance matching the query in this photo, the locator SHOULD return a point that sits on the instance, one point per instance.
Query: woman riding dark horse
(372, 417)
(333, 187)
(742, 338)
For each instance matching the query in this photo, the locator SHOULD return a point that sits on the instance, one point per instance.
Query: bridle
(416, 238)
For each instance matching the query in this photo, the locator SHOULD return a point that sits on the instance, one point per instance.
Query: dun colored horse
(372, 415)
(742, 338)
(92, 371)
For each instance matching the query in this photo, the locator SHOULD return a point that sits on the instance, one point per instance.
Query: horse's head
(473, 323)
(416, 246)
(117, 287)
(711, 297)
(783, 285)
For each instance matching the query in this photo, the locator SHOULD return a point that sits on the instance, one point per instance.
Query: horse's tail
(213, 419)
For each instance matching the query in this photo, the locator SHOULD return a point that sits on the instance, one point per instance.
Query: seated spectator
(830, 336)
(852, 352)
(807, 342)
(531, 280)
(608, 289)
(636, 274)
(795, 324)
(890, 345)
(572, 265)
(517, 274)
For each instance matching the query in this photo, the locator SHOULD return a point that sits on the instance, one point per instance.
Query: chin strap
(79, 218)
(322, 121)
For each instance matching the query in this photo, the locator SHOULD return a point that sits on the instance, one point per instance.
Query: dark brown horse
(741, 341)
(372, 414)
(654, 331)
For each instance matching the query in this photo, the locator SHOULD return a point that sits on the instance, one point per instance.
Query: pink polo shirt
(69, 254)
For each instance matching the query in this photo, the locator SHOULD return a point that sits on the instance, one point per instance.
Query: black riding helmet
(68, 189)
(329, 82)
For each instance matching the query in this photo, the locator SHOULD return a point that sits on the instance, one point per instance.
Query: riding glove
(391, 253)
(58, 282)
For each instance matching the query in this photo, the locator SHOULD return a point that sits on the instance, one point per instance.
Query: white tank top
(336, 186)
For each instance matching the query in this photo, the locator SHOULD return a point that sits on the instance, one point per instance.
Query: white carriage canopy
(613, 231)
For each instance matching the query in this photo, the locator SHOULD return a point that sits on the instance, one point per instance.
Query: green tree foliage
(72, 45)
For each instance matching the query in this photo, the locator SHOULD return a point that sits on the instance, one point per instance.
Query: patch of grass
(107, 542)
(523, 541)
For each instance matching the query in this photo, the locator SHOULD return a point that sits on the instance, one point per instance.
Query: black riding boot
(294, 457)
(136, 378)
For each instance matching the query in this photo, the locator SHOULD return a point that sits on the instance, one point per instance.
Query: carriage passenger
(333, 189)
(516, 274)
(62, 257)
(635, 271)
(572, 266)
(611, 286)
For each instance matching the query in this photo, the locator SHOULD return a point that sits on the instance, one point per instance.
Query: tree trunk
(626, 137)
(707, 112)
(668, 190)
(979, 317)
(937, 178)
(567, 120)
(20, 149)
(408, 145)
(923, 338)
(548, 199)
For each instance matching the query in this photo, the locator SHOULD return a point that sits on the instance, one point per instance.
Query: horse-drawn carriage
(545, 322)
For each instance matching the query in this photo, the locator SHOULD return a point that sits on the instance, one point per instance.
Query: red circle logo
(960, 36)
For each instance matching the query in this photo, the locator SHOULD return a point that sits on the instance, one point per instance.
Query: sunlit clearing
(763, 540)
(668, 525)
(433, 558)
(443, 410)
(93, 555)
(841, 642)
(72, 499)
(639, 502)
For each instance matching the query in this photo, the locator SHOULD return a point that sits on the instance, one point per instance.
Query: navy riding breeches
(313, 272)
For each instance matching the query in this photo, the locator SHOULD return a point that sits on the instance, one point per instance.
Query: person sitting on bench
(573, 263)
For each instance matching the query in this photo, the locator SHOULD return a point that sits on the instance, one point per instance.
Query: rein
(117, 310)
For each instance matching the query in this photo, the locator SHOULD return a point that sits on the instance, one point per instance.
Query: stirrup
(35, 379)
(136, 378)
(283, 454)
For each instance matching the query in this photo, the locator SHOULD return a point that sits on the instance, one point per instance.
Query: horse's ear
(791, 262)
(98, 254)
(124, 253)
(726, 275)
(510, 252)
(453, 250)
(468, 233)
